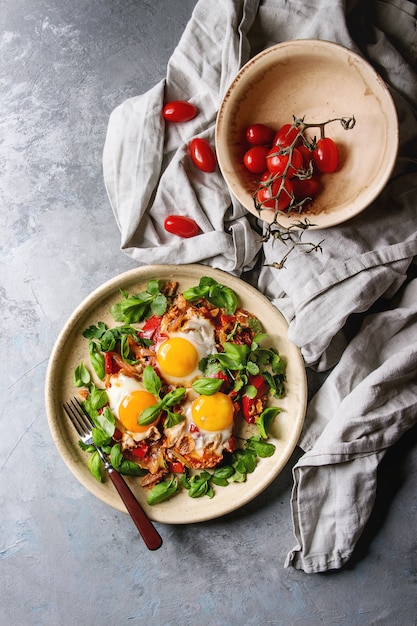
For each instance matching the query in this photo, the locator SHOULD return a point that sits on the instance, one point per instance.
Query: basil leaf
(154, 286)
(215, 293)
(97, 360)
(173, 397)
(199, 485)
(151, 380)
(207, 386)
(265, 418)
(94, 465)
(96, 400)
(106, 421)
(172, 419)
(116, 456)
(130, 468)
(149, 415)
(162, 491)
(100, 437)
(263, 449)
(81, 376)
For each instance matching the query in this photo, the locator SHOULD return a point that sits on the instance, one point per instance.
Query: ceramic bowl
(315, 80)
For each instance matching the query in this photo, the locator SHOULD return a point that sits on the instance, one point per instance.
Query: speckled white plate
(70, 348)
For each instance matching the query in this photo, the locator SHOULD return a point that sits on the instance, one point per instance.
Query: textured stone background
(65, 557)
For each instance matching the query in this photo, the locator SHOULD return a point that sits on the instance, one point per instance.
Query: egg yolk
(132, 406)
(177, 357)
(213, 413)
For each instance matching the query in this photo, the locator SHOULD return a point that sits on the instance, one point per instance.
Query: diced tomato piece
(141, 450)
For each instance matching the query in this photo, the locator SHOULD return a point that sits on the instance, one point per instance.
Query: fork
(83, 424)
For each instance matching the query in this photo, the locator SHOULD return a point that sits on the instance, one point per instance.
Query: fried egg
(210, 421)
(178, 356)
(127, 399)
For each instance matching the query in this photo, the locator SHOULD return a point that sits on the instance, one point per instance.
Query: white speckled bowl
(317, 80)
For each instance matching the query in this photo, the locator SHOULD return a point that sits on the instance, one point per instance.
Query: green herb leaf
(106, 421)
(82, 376)
(149, 415)
(265, 418)
(162, 491)
(173, 397)
(94, 465)
(263, 449)
(207, 386)
(215, 293)
(172, 419)
(97, 360)
(151, 381)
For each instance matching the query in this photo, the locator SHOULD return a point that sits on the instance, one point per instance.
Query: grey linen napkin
(369, 399)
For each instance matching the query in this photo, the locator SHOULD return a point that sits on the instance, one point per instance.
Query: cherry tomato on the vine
(203, 155)
(305, 188)
(306, 153)
(259, 134)
(277, 162)
(179, 111)
(273, 196)
(326, 156)
(286, 136)
(181, 226)
(254, 159)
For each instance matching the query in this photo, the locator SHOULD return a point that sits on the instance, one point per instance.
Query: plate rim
(78, 469)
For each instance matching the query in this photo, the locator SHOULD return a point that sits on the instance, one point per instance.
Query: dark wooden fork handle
(144, 525)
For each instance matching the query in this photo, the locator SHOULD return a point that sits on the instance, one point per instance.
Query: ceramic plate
(71, 348)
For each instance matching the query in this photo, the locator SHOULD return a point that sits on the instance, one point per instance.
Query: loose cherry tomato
(277, 162)
(254, 159)
(259, 134)
(182, 226)
(179, 111)
(285, 136)
(307, 188)
(203, 155)
(267, 194)
(326, 156)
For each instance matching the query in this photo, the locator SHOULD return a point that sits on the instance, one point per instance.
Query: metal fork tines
(83, 424)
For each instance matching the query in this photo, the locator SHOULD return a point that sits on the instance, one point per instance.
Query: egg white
(199, 331)
(120, 386)
(203, 438)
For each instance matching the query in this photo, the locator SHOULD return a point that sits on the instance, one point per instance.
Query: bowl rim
(333, 218)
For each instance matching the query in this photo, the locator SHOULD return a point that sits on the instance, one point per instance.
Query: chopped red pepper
(151, 326)
(252, 407)
(141, 450)
(176, 467)
(110, 363)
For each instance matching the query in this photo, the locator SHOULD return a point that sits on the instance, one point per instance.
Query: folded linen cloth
(148, 175)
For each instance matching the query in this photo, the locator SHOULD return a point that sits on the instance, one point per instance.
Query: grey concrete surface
(65, 557)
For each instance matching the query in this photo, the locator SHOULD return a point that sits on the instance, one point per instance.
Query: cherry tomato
(306, 153)
(277, 163)
(267, 195)
(326, 156)
(254, 159)
(203, 155)
(259, 134)
(181, 226)
(286, 136)
(179, 111)
(307, 188)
